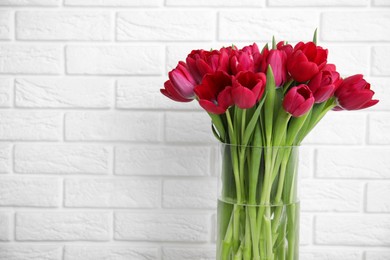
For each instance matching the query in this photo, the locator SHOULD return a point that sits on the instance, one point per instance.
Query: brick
(331, 3)
(305, 163)
(357, 230)
(305, 229)
(64, 25)
(109, 126)
(5, 92)
(31, 59)
(29, 192)
(377, 197)
(190, 193)
(382, 93)
(62, 226)
(162, 160)
(142, 93)
(161, 227)
(381, 3)
(380, 61)
(367, 162)
(188, 253)
(28, 125)
(71, 159)
(349, 60)
(333, 254)
(30, 252)
(355, 26)
(64, 92)
(108, 252)
(244, 25)
(5, 25)
(29, 2)
(377, 255)
(114, 60)
(339, 128)
(378, 128)
(180, 127)
(5, 227)
(215, 3)
(112, 193)
(5, 158)
(339, 196)
(165, 25)
(113, 3)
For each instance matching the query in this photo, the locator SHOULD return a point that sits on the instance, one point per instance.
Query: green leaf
(253, 122)
(219, 126)
(264, 48)
(273, 43)
(315, 37)
(269, 104)
(295, 126)
(216, 134)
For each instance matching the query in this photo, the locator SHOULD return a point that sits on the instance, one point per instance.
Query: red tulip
(201, 62)
(214, 93)
(298, 100)
(248, 88)
(354, 93)
(324, 83)
(306, 60)
(180, 86)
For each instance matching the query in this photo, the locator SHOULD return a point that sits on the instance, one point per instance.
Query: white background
(96, 164)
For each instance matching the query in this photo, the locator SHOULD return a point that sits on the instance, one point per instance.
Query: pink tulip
(180, 86)
(298, 100)
(277, 59)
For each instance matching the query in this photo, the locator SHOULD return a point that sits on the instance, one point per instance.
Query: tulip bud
(298, 100)
(323, 85)
(180, 86)
(354, 93)
(277, 59)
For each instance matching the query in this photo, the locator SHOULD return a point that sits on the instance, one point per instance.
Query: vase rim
(262, 146)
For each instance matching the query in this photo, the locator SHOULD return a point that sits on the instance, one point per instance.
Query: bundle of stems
(258, 209)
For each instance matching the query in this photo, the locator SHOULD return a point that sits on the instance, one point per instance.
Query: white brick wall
(96, 164)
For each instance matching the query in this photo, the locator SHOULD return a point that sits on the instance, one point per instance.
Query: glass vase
(258, 206)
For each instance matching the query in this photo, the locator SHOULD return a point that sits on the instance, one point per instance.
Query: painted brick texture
(96, 164)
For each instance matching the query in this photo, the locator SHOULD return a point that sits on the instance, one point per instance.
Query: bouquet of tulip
(262, 105)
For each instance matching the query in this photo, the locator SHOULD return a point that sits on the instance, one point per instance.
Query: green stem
(267, 225)
(247, 245)
(234, 158)
(278, 197)
(227, 244)
(236, 227)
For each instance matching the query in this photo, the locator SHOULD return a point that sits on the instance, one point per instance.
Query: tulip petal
(171, 92)
(211, 107)
(243, 97)
(355, 100)
(303, 108)
(304, 71)
(225, 99)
